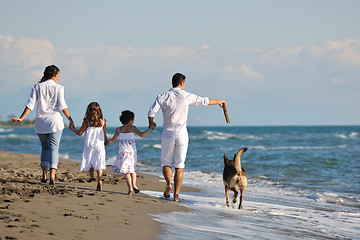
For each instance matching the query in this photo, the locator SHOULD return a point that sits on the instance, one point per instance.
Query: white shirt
(175, 106)
(50, 100)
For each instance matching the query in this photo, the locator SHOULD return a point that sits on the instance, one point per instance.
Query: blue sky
(274, 62)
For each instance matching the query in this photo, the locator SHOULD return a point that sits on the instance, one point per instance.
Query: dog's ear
(225, 158)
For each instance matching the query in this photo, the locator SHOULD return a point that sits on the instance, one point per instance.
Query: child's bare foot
(52, 182)
(90, 180)
(130, 192)
(167, 191)
(99, 186)
(136, 189)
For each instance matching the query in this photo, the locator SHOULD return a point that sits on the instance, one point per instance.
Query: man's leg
(167, 156)
(178, 178)
(167, 172)
(181, 147)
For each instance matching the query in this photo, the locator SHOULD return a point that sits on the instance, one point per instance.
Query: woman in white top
(49, 123)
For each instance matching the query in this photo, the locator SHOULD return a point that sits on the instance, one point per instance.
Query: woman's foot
(52, 176)
(44, 174)
(130, 192)
(167, 191)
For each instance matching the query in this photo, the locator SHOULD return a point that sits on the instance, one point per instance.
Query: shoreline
(16, 125)
(73, 209)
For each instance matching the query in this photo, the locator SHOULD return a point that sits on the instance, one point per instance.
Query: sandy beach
(73, 209)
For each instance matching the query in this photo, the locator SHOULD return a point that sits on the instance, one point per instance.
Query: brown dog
(234, 177)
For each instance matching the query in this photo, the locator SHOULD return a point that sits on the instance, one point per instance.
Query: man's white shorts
(173, 151)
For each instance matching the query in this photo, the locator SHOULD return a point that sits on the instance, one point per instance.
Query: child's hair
(94, 114)
(126, 116)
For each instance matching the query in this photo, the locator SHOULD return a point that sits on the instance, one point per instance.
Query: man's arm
(67, 115)
(222, 103)
(152, 111)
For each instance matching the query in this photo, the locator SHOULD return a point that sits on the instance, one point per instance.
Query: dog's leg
(227, 195)
(236, 193)
(242, 190)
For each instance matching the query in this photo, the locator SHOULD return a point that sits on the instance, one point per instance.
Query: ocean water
(304, 181)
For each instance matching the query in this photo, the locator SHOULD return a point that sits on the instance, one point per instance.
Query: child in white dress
(93, 157)
(125, 163)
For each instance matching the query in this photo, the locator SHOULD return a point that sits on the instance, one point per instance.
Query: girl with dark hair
(125, 163)
(49, 124)
(93, 157)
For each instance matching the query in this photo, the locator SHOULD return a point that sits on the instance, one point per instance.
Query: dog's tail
(238, 160)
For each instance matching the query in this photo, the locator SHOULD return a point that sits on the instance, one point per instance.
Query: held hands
(152, 126)
(71, 126)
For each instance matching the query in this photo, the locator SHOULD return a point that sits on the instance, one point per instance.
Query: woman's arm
(23, 115)
(81, 130)
(113, 139)
(67, 115)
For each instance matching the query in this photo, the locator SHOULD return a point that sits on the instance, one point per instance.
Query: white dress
(126, 160)
(94, 149)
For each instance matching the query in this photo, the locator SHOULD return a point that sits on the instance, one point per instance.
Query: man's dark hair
(177, 79)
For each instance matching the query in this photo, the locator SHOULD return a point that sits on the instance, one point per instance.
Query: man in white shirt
(174, 141)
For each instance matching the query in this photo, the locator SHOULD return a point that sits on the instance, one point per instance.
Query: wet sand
(73, 209)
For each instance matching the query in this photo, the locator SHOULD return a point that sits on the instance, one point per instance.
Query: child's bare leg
(128, 182)
(91, 171)
(99, 175)
(133, 182)
(44, 174)
(92, 177)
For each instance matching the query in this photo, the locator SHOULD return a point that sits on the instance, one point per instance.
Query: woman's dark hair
(126, 116)
(177, 79)
(50, 71)
(94, 115)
